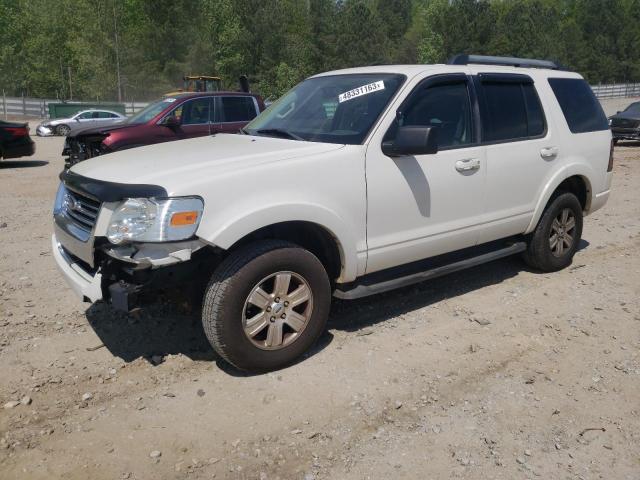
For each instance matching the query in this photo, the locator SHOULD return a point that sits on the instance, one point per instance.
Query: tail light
(18, 131)
(610, 166)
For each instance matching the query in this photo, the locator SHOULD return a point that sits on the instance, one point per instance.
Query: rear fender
(571, 170)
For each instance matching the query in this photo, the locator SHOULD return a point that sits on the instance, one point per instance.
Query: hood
(181, 164)
(626, 116)
(117, 125)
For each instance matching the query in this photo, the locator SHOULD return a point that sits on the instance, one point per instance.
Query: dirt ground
(496, 373)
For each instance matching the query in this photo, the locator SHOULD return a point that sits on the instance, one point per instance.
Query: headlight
(61, 197)
(152, 220)
(610, 121)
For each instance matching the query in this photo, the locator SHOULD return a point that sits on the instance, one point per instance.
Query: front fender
(229, 228)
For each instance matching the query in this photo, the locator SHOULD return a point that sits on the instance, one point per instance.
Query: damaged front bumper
(84, 283)
(122, 273)
(44, 131)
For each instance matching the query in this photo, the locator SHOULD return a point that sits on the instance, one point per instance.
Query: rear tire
(557, 235)
(256, 289)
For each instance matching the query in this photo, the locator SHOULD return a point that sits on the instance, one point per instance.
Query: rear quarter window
(580, 107)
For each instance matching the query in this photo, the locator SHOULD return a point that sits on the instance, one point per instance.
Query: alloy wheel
(277, 310)
(562, 232)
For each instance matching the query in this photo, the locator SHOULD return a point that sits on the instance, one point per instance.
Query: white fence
(39, 107)
(617, 90)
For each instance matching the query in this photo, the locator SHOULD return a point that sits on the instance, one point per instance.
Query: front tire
(557, 235)
(63, 130)
(266, 304)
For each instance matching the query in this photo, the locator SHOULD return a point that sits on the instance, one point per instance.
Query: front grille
(81, 210)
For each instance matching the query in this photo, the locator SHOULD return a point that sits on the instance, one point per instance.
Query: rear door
(522, 151)
(232, 112)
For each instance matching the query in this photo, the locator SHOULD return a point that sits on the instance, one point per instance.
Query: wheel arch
(577, 183)
(314, 228)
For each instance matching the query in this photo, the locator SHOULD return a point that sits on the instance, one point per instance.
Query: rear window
(235, 109)
(510, 110)
(579, 105)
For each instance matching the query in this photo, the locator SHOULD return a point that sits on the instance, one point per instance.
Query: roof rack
(506, 61)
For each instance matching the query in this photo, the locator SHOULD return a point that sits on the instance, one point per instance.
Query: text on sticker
(363, 90)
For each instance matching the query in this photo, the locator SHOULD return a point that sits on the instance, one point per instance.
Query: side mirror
(412, 140)
(170, 121)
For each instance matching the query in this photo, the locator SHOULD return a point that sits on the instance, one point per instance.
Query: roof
(200, 77)
(216, 93)
(98, 110)
(432, 69)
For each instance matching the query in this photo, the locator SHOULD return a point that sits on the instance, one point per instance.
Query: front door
(193, 120)
(425, 205)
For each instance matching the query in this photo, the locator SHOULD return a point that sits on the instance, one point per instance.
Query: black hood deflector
(110, 191)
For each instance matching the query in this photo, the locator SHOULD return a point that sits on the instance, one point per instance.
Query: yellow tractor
(198, 83)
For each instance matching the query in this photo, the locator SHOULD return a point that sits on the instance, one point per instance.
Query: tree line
(139, 49)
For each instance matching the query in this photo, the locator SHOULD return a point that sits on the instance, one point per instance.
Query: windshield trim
(366, 135)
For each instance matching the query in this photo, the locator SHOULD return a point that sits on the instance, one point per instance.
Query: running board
(365, 289)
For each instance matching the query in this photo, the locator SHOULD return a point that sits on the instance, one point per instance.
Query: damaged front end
(99, 267)
(129, 272)
(81, 147)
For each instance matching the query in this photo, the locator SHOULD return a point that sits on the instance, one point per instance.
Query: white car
(79, 121)
(355, 182)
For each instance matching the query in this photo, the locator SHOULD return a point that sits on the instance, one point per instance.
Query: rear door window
(235, 109)
(510, 108)
(580, 107)
(535, 115)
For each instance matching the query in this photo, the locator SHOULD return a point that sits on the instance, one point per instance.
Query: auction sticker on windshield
(363, 90)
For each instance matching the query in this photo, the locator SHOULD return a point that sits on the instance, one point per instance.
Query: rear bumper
(17, 151)
(85, 284)
(598, 201)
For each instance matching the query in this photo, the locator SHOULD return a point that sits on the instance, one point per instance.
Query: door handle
(549, 152)
(468, 165)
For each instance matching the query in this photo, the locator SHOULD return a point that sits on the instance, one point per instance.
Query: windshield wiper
(243, 131)
(279, 132)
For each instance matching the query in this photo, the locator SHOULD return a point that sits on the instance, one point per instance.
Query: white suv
(355, 182)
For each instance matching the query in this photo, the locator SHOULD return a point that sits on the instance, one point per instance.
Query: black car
(15, 140)
(625, 125)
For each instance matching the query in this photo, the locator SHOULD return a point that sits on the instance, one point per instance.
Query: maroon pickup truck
(177, 117)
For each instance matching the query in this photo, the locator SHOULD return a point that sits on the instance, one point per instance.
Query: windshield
(633, 108)
(333, 109)
(150, 111)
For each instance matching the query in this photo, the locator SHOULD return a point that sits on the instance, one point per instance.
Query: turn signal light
(181, 219)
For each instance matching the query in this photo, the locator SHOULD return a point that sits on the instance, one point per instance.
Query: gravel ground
(496, 372)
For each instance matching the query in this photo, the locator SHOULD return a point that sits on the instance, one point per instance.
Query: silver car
(79, 121)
